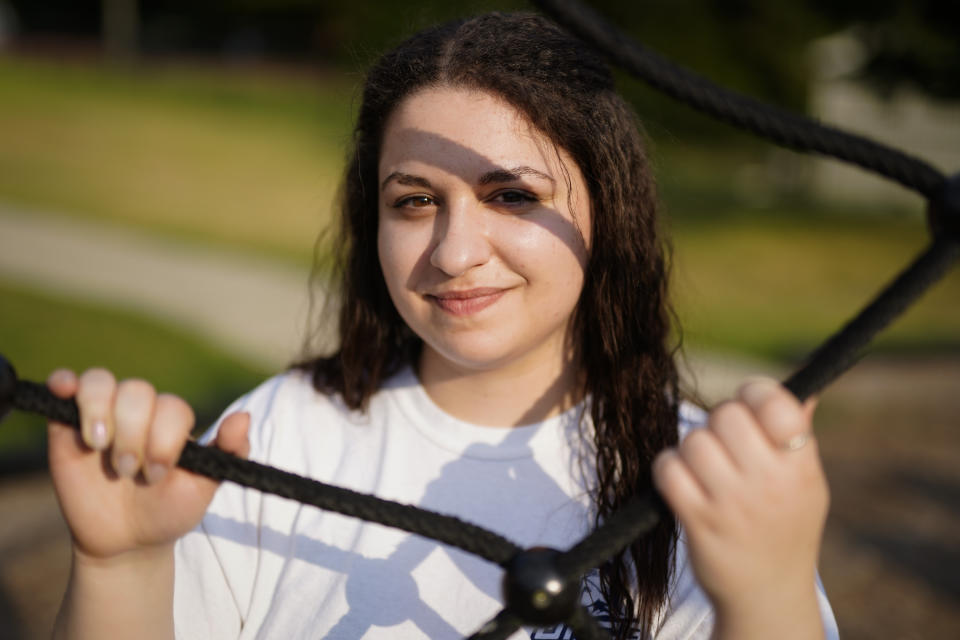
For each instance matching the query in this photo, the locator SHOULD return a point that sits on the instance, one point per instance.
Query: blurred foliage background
(224, 123)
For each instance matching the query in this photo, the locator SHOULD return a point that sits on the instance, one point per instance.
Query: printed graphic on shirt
(592, 600)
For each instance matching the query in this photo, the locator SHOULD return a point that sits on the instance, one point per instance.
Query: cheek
(391, 260)
(401, 250)
(552, 259)
(553, 243)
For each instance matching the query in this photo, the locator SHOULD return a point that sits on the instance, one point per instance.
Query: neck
(520, 394)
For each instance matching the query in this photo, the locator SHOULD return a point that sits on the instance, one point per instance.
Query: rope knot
(943, 211)
(536, 591)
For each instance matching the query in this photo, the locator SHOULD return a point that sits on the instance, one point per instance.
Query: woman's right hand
(115, 479)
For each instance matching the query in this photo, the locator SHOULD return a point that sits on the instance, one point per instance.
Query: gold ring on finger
(795, 443)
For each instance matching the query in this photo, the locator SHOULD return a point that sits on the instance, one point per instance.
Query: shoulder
(275, 398)
(279, 409)
(291, 419)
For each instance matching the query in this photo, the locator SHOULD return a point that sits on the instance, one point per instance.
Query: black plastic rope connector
(943, 210)
(537, 590)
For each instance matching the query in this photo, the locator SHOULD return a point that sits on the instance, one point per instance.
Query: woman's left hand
(752, 497)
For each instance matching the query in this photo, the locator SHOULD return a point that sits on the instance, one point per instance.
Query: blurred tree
(906, 42)
(752, 45)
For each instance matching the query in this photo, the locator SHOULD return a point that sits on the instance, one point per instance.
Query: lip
(466, 302)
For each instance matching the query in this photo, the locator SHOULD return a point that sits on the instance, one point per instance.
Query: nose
(461, 239)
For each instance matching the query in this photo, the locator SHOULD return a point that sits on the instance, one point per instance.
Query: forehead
(462, 129)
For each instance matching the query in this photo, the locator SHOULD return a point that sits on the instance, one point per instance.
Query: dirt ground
(890, 437)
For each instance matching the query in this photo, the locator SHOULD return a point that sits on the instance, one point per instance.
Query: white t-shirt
(260, 566)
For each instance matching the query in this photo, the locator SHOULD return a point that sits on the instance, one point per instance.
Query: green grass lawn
(40, 333)
(245, 160)
(777, 287)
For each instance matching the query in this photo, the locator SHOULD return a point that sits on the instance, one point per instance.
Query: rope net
(529, 571)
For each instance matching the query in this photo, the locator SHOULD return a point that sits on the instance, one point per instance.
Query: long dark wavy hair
(621, 329)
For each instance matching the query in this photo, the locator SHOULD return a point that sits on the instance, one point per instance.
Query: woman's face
(484, 232)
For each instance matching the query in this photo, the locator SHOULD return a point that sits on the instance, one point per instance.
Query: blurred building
(918, 125)
(8, 24)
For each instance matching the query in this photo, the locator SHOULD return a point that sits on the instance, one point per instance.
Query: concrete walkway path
(251, 307)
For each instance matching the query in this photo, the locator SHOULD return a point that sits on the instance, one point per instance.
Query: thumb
(184, 487)
(232, 436)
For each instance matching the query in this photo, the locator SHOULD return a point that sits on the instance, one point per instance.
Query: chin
(470, 357)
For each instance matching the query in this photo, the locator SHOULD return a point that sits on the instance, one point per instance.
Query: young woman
(504, 357)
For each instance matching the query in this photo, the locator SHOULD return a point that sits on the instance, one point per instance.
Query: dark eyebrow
(407, 179)
(497, 175)
(512, 175)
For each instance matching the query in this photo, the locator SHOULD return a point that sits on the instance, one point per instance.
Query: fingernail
(156, 472)
(126, 465)
(59, 377)
(756, 391)
(98, 435)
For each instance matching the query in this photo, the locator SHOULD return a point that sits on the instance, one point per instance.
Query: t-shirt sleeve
(830, 630)
(215, 564)
(204, 607)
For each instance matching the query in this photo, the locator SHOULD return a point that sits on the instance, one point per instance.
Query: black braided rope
(841, 350)
(640, 514)
(782, 127)
(824, 365)
(635, 518)
(585, 626)
(219, 465)
(500, 627)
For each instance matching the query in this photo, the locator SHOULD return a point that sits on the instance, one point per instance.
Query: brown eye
(513, 197)
(415, 201)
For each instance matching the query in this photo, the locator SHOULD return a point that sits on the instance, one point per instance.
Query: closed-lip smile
(465, 302)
